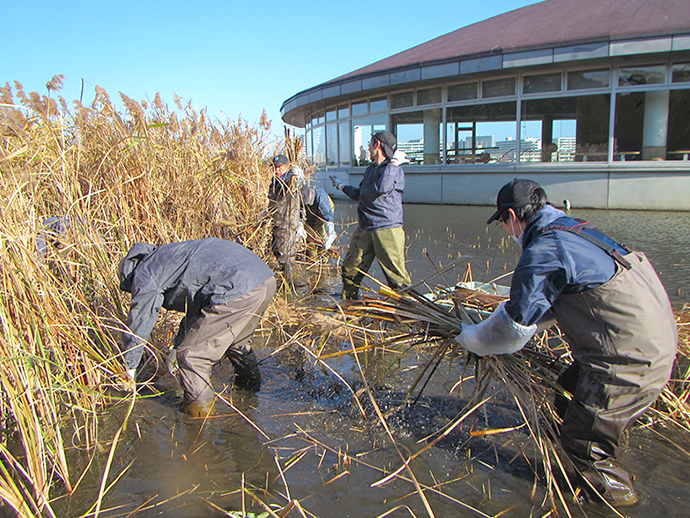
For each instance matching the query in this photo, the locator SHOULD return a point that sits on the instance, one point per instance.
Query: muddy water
(305, 420)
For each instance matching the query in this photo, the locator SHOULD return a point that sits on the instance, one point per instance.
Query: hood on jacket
(128, 264)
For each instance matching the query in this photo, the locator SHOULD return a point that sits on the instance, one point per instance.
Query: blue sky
(233, 57)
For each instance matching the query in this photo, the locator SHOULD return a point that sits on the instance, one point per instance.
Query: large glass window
(344, 143)
(633, 76)
(420, 135)
(481, 134)
(541, 83)
(678, 126)
(565, 129)
(498, 87)
(362, 130)
(681, 73)
(402, 100)
(586, 79)
(462, 92)
(359, 108)
(319, 146)
(428, 96)
(332, 144)
(378, 105)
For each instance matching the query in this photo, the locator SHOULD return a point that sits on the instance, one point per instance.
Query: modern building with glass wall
(589, 97)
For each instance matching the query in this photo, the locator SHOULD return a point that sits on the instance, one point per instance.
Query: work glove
(336, 182)
(330, 235)
(301, 231)
(399, 158)
(498, 334)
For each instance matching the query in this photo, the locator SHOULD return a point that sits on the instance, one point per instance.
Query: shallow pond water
(302, 436)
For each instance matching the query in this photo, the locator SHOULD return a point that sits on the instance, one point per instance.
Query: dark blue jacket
(380, 196)
(555, 262)
(321, 208)
(185, 277)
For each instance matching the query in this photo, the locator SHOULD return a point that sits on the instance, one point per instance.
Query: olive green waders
(388, 246)
(224, 329)
(623, 337)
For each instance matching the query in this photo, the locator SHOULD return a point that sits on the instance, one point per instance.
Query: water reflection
(438, 233)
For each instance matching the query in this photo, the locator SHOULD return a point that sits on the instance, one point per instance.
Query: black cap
(388, 142)
(279, 160)
(516, 193)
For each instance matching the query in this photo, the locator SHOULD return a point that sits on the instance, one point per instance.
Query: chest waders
(623, 338)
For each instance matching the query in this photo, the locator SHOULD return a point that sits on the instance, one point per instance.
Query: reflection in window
(344, 143)
(319, 146)
(541, 83)
(481, 134)
(362, 130)
(634, 76)
(378, 105)
(681, 73)
(429, 96)
(549, 130)
(402, 100)
(678, 127)
(463, 92)
(332, 144)
(359, 108)
(498, 87)
(419, 135)
(331, 114)
(343, 112)
(307, 137)
(585, 79)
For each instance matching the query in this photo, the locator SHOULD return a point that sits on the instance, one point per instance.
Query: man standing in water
(319, 216)
(223, 289)
(380, 233)
(284, 205)
(614, 310)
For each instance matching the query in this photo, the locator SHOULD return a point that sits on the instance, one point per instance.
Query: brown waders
(623, 337)
(388, 246)
(225, 329)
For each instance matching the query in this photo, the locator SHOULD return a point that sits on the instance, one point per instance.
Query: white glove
(498, 334)
(301, 232)
(336, 182)
(399, 158)
(330, 235)
(132, 373)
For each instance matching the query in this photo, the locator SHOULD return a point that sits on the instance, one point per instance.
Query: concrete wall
(652, 186)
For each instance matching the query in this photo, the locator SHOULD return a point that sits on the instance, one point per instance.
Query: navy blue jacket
(321, 208)
(185, 277)
(380, 196)
(555, 262)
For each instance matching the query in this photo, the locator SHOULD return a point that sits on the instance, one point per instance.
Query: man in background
(319, 216)
(284, 207)
(380, 233)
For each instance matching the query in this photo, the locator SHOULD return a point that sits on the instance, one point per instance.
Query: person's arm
(324, 205)
(349, 190)
(388, 181)
(143, 313)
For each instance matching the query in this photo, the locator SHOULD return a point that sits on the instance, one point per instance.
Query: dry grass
(145, 173)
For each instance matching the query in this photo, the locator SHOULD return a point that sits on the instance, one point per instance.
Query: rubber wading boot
(199, 409)
(247, 375)
(612, 482)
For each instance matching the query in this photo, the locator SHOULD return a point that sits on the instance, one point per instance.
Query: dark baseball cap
(516, 193)
(388, 142)
(279, 160)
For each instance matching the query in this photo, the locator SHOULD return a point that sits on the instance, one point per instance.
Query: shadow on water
(305, 419)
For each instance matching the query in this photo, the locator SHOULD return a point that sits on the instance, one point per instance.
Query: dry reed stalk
(145, 173)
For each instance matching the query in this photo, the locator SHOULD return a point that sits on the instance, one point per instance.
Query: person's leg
(359, 256)
(594, 423)
(241, 353)
(389, 247)
(209, 338)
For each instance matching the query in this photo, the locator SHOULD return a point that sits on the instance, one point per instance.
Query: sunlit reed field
(150, 173)
(117, 176)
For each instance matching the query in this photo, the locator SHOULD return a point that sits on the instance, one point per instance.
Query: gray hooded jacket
(185, 277)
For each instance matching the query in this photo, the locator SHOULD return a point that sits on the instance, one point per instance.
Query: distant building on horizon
(594, 96)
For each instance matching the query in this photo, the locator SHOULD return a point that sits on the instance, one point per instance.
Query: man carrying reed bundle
(223, 289)
(615, 313)
(380, 233)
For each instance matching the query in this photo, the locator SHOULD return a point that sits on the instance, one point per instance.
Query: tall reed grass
(114, 176)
